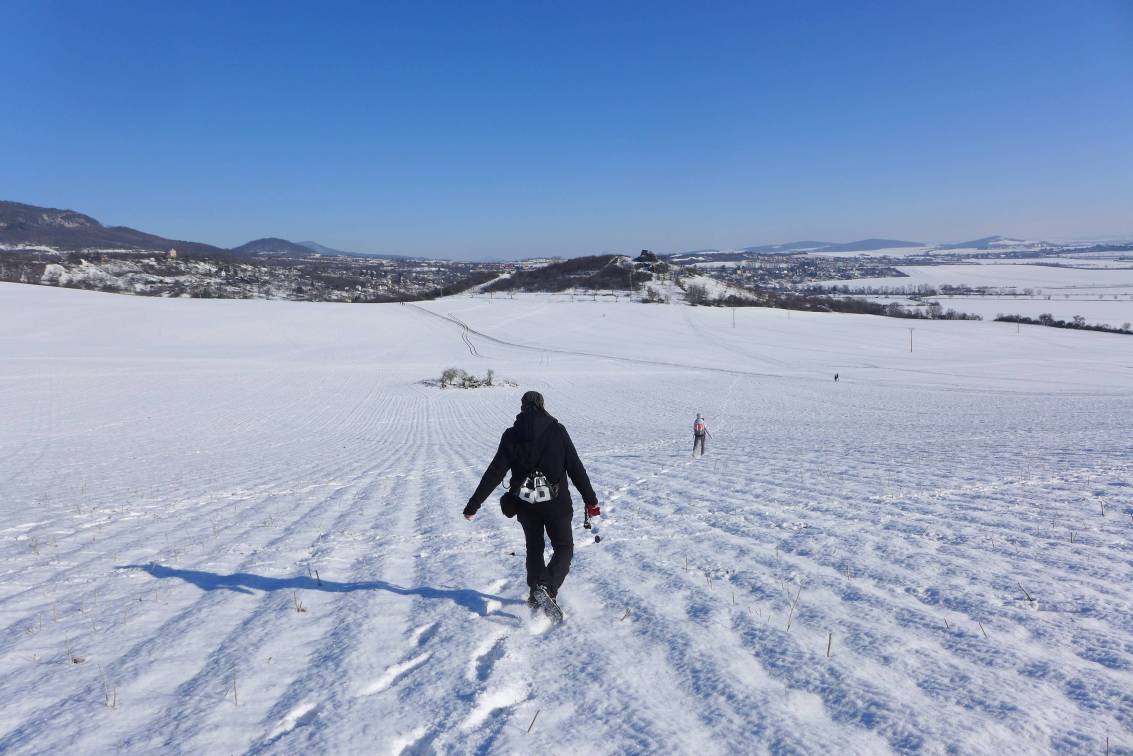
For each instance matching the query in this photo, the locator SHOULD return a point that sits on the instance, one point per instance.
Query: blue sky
(496, 130)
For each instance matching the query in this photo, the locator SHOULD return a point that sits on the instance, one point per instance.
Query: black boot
(545, 597)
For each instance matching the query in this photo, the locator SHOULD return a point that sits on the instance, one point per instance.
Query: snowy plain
(934, 554)
(1112, 310)
(1051, 279)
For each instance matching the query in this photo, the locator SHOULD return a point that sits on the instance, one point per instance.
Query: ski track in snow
(235, 527)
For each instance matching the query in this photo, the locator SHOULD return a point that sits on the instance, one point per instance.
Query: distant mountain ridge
(872, 245)
(781, 249)
(862, 245)
(993, 242)
(272, 247)
(324, 250)
(787, 248)
(70, 231)
(29, 225)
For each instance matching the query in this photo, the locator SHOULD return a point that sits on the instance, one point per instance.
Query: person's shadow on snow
(246, 582)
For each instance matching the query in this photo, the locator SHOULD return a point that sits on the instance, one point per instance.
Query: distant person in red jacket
(699, 431)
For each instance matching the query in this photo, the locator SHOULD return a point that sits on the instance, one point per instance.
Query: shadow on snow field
(245, 582)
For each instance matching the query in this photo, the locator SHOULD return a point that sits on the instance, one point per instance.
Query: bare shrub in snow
(455, 377)
(452, 376)
(696, 294)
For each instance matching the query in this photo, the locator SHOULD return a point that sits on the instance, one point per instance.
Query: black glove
(509, 504)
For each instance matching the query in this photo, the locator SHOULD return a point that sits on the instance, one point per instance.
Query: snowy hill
(324, 250)
(787, 248)
(996, 242)
(871, 245)
(780, 249)
(234, 526)
(888, 247)
(273, 247)
(32, 226)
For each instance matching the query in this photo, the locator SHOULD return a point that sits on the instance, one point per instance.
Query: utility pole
(911, 339)
(733, 317)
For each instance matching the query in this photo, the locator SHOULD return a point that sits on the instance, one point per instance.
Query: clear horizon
(505, 130)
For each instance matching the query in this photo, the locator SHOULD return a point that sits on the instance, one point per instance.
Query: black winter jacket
(519, 442)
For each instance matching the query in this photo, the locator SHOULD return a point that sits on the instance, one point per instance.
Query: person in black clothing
(539, 442)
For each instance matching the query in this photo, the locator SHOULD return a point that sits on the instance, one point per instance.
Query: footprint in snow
(423, 634)
(491, 606)
(300, 716)
(414, 741)
(393, 673)
(492, 700)
(485, 658)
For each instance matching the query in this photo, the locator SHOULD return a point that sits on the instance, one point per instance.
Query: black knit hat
(531, 400)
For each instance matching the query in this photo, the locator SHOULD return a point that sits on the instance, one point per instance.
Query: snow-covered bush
(696, 294)
(455, 377)
(452, 376)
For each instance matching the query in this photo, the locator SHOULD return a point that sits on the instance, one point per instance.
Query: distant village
(179, 274)
(791, 271)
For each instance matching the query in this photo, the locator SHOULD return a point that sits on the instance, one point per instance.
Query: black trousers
(698, 439)
(554, 518)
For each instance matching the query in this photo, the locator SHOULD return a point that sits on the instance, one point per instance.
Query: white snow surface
(1103, 310)
(1050, 279)
(181, 476)
(715, 288)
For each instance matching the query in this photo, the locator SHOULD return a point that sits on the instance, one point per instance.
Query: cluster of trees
(932, 311)
(697, 294)
(457, 378)
(905, 290)
(792, 301)
(1077, 322)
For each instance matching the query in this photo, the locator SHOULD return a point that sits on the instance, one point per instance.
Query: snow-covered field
(1095, 309)
(1069, 261)
(933, 554)
(1050, 279)
(890, 252)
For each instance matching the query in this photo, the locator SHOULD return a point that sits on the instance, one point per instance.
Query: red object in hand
(592, 510)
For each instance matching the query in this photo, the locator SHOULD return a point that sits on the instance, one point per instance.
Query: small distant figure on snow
(835, 377)
(699, 431)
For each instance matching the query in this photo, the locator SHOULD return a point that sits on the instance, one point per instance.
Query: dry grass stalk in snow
(109, 695)
(791, 615)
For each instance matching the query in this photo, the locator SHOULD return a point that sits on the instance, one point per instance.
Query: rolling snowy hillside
(234, 527)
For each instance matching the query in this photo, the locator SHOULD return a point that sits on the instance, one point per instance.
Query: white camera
(535, 489)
